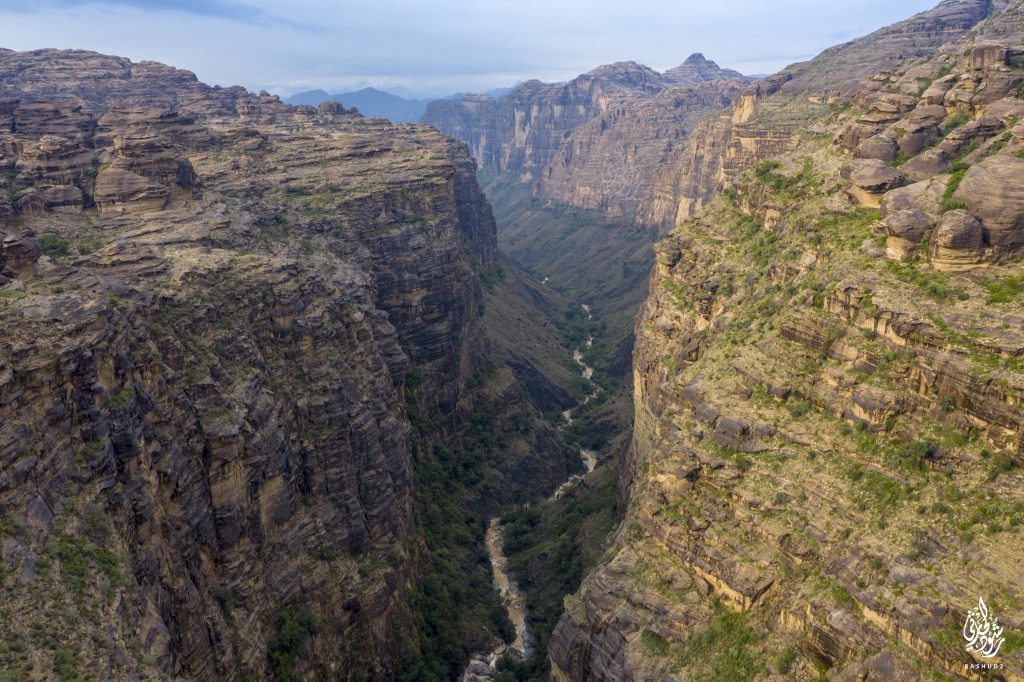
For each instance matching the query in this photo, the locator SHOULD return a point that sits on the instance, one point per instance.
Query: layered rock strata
(825, 466)
(210, 302)
(598, 141)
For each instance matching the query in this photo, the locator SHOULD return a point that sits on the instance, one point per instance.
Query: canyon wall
(825, 472)
(212, 304)
(599, 141)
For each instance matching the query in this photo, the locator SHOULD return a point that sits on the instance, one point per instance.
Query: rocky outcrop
(205, 433)
(991, 191)
(813, 423)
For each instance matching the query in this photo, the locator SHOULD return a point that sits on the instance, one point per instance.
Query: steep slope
(825, 473)
(220, 315)
(591, 141)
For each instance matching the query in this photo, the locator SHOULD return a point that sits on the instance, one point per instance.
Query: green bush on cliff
(294, 626)
(727, 649)
(53, 246)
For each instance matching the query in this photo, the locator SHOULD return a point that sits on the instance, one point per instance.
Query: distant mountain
(496, 93)
(370, 102)
(374, 102)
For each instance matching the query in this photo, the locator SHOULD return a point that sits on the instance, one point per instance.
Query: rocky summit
(611, 139)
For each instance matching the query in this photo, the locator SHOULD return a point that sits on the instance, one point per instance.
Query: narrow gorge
(642, 376)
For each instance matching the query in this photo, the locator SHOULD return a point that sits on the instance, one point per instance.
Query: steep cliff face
(828, 435)
(589, 142)
(210, 303)
(627, 160)
(766, 117)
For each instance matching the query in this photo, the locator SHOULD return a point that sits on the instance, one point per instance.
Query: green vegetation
(122, 398)
(948, 202)
(654, 645)
(784, 660)
(294, 626)
(798, 408)
(1003, 290)
(932, 283)
(454, 606)
(550, 547)
(53, 246)
(954, 121)
(778, 183)
(727, 649)
(87, 245)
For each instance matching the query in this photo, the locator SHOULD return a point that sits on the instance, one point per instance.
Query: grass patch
(948, 202)
(727, 649)
(1003, 290)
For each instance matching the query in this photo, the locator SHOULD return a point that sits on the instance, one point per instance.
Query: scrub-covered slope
(828, 376)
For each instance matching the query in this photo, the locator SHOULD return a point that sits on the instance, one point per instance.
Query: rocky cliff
(592, 142)
(825, 472)
(218, 313)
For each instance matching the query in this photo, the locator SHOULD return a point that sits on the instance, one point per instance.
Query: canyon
(235, 332)
(642, 376)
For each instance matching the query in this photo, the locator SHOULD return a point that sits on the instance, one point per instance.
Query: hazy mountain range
(374, 102)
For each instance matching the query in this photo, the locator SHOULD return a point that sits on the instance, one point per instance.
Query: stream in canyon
(483, 667)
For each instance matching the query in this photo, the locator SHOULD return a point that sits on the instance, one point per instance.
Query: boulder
(246, 138)
(870, 179)
(878, 147)
(935, 94)
(729, 433)
(6, 212)
(851, 135)
(992, 190)
(914, 136)
(995, 86)
(62, 198)
(961, 94)
(904, 230)
(926, 165)
(31, 203)
(928, 114)
(981, 129)
(706, 413)
(118, 189)
(18, 253)
(924, 196)
(1007, 109)
(958, 242)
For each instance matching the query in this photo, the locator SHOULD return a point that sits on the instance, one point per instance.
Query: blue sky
(440, 46)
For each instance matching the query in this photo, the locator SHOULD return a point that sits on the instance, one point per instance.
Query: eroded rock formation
(610, 139)
(209, 303)
(825, 466)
